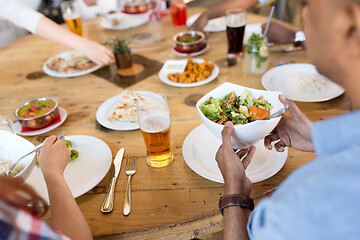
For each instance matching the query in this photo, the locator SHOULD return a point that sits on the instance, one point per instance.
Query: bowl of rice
(12, 147)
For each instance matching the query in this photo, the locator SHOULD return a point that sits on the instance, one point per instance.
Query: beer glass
(71, 14)
(154, 121)
(235, 29)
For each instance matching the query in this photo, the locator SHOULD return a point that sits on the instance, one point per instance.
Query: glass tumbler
(257, 56)
(154, 120)
(71, 14)
(235, 29)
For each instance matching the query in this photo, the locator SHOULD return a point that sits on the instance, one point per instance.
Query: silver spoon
(35, 150)
(278, 113)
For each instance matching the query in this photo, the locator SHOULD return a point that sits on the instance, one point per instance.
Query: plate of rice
(301, 82)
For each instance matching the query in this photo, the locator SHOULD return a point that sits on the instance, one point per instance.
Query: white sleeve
(263, 1)
(19, 14)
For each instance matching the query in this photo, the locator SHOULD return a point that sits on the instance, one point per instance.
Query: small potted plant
(121, 51)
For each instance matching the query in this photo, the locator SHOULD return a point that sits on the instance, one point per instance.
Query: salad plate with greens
(242, 106)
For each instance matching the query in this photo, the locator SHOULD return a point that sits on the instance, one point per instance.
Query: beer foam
(233, 21)
(155, 123)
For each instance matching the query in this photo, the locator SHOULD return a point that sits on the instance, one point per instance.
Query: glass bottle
(257, 56)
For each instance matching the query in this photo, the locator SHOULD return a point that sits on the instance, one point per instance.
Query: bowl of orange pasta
(197, 72)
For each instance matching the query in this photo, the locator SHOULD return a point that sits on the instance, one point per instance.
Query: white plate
(106, 109)
(279, 79)
(193, 54)
(82, 174)
(215, 72)
(126, 20)
(66, 55)
(63, 116)
(200, 147)
(213, 25)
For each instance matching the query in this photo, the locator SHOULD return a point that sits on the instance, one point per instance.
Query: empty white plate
(200, 147)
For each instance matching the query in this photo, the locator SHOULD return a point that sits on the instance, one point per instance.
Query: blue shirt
(320, 200)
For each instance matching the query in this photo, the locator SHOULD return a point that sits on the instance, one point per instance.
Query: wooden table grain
(168, 203)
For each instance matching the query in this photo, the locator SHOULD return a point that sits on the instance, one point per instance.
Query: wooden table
(168, 203)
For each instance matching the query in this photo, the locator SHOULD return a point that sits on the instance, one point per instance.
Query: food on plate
(115, 22)
(310, 83)
(188, 38)
(6, 165)
(194, 72)
(241, 109)
(36, 108)
(76, 63)
(125, 109)
(73, 156)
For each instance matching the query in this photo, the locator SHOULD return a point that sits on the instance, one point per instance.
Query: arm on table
(219, 10)
(65, 213)
(279, 34)
(95, 51)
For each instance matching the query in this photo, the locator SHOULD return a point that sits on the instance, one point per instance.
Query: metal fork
(130, 170)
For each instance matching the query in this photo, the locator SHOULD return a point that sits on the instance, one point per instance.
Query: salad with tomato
(241, 109)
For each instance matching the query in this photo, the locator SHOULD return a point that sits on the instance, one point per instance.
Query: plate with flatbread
(119, 112)
(69, 64)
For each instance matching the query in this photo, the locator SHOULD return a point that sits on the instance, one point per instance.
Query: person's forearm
(220, 9)
(50, 30)
(65, 213)
(235, 220)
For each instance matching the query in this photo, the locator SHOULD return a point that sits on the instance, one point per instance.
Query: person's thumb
(294, 109)
(226, 134)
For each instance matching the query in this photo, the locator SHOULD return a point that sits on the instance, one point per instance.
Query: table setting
(146, 159)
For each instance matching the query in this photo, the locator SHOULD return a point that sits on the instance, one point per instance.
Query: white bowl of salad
(245, 107)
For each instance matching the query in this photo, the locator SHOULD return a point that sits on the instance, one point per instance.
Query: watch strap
(238, 200)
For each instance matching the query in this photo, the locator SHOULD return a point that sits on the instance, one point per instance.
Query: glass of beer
(154, 120)
(71, 14)
(235, 29)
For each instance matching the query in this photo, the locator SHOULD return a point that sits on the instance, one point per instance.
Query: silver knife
(109, 199)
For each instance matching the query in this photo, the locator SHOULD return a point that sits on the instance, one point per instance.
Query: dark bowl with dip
(189, 41)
